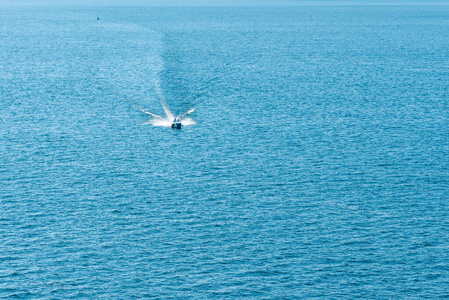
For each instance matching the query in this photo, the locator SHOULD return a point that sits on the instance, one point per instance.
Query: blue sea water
(317, 166)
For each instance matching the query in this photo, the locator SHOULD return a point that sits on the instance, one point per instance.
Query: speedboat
(176, 123)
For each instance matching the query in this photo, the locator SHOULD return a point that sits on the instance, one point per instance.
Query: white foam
(167, 121)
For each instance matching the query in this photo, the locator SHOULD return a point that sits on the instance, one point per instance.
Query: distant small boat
(176, 123)
(98, 18)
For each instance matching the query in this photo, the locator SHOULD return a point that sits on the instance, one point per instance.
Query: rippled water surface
(316, 163)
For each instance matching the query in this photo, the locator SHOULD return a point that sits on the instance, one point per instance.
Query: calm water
(318, 165)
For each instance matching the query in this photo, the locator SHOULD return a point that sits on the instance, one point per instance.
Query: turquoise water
(315, 163)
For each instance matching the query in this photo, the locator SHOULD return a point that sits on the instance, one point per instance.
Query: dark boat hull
(176, 125)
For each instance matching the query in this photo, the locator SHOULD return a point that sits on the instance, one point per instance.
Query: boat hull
(176, 125)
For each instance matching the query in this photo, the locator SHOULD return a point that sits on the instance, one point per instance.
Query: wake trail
(167, 110)
(151, 114)
(167, 121)
(188, 113)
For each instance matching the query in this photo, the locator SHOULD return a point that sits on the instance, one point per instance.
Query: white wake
(167, 120)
